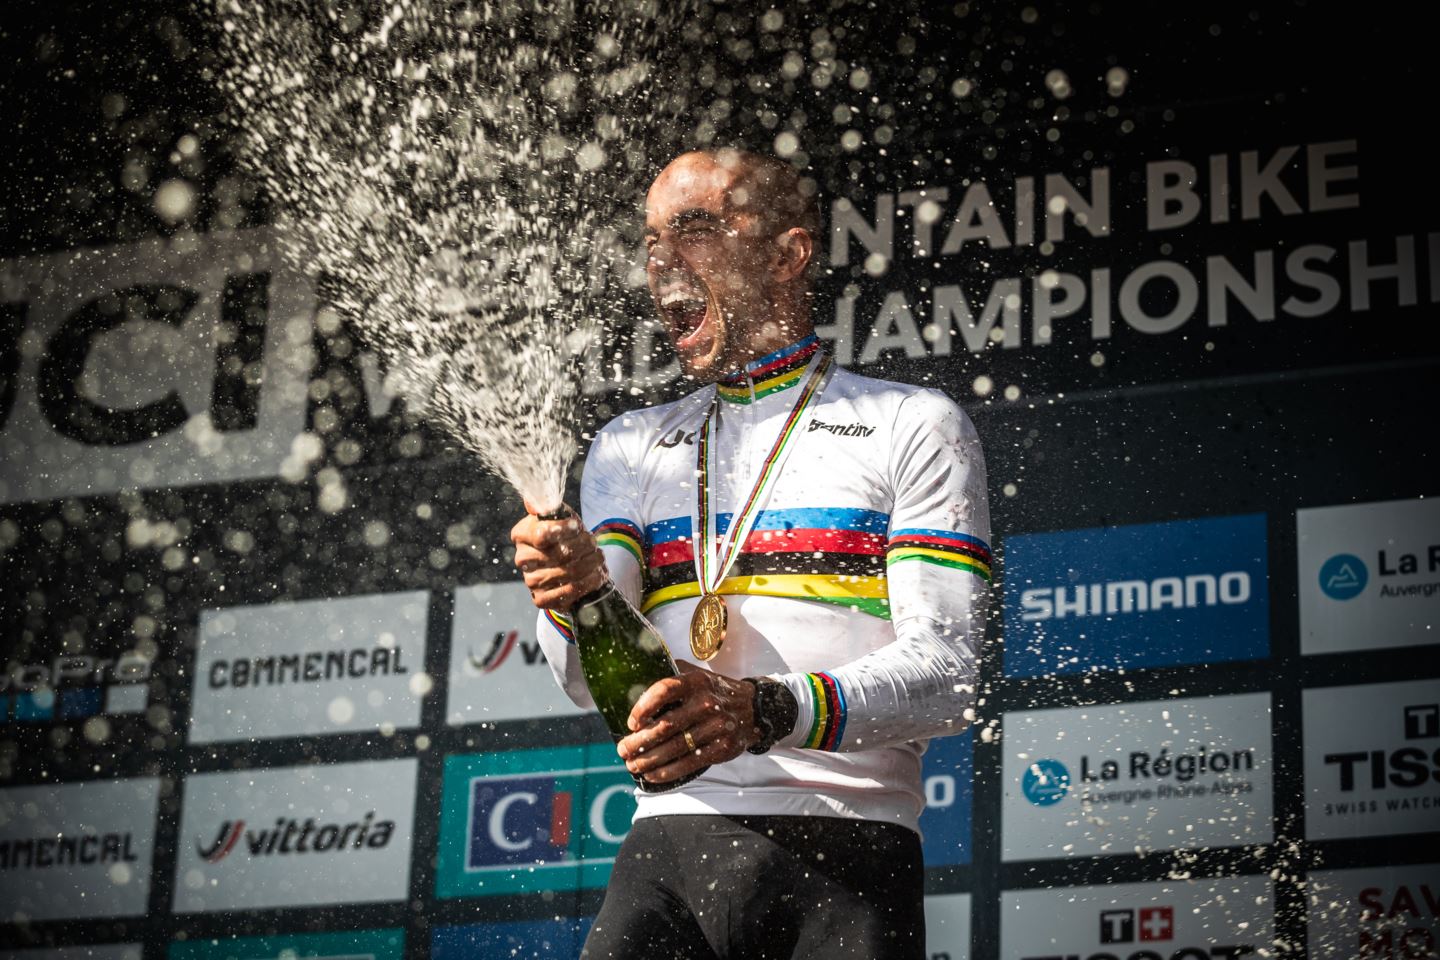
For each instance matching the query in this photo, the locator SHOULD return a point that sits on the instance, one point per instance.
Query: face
(707, 263)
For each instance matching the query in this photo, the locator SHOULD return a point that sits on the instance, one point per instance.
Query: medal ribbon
(712, 565)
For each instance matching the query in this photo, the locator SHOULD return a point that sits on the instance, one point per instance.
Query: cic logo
(1045, 783)
(1343, 576)
(532, 820)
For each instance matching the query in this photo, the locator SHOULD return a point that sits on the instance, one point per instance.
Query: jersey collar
(769, 374)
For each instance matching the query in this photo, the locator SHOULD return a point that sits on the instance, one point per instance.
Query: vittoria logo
(289, 836)
(499, 649)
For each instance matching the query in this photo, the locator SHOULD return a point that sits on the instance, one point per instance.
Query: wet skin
(730, 287)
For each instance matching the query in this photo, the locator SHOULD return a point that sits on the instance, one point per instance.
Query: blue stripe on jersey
(794, 518)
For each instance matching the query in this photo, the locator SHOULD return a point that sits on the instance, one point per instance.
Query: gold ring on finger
(690, 742)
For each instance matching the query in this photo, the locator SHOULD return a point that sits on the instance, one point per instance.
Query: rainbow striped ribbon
(711, 565)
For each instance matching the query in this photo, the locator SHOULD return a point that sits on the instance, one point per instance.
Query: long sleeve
(938, 576)
(609, 505)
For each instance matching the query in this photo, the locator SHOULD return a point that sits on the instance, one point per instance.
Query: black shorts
(763, 888)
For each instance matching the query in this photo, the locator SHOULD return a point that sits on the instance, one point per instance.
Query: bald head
(763, 186)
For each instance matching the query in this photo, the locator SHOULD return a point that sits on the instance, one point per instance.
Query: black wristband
(775, 712)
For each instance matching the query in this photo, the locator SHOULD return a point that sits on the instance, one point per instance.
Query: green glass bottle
(621, 655)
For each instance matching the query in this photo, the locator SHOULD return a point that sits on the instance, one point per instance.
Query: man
(855, 602)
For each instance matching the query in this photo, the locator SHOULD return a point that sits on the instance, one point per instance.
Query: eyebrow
(692, 215)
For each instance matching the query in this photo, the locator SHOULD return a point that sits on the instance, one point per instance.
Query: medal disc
(707, 626)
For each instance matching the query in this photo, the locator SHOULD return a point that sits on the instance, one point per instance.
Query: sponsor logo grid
(1153, 774)
(551, 820)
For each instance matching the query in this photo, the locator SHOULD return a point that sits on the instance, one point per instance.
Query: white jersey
(862, 586)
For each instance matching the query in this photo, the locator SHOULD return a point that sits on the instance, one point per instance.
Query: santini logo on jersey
(842, 429)
(1135, 596)
(289, 836)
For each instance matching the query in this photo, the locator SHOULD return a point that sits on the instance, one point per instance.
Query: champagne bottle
(621, 655)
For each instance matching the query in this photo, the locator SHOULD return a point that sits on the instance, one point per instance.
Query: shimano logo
(289, 836)
(842, 429)
(1135, 596)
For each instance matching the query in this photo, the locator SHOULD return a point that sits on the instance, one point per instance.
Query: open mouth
(684, 308)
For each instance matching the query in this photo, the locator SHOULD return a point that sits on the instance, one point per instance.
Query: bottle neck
(596, 595)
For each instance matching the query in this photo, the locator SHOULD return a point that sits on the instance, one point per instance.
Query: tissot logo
(1196, 919)
(1422, 722)
(1154, 924)
(504, 643)
(1372, 759)
(841, 429)
(288, 836)
(1406, 767)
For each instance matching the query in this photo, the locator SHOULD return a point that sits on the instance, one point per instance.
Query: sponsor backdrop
(270, 688)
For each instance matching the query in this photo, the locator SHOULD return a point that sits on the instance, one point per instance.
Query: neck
(780, 337)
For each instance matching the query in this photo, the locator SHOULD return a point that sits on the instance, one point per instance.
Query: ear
(794, 248)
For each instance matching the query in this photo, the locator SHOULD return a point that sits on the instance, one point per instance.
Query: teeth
(679, 296)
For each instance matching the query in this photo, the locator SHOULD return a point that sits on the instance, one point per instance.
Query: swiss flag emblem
(1157, 923)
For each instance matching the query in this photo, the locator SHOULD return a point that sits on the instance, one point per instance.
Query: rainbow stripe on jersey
(945, 548)
(619, 532)
(562, 624)
(830, 555)
(771, 373)
(828, 703)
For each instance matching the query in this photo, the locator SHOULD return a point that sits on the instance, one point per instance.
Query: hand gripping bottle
(621, 655)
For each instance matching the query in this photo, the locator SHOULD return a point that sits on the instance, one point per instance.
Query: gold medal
(707, 626)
